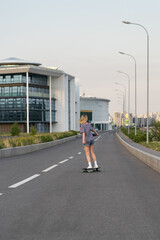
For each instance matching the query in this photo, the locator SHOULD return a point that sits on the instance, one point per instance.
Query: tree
(33, 130)
(155, 131)
(15, 129)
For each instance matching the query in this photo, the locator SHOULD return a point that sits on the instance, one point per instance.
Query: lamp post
(124, 94)
(135, 88)
(147, 74)
(128, 96)
(120, 103)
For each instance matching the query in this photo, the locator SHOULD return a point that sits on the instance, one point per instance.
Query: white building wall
(77, 105)
(59, 91)
(99, 109)
(72, 104)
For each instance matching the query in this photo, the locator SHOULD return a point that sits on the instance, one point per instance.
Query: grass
(26, 139)
(153, 145)
(140, 138)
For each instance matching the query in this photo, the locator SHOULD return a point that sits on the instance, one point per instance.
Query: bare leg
(86, 148)
(92, 153)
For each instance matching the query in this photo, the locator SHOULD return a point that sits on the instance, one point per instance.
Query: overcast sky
(83, 38)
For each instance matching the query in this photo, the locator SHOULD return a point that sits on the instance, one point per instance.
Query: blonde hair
(83, 119)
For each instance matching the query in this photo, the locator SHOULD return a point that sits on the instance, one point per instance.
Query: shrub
(12, 142)
(2, 145)
(27, 141)
(73, 132)
(155, 131)
(33, 130)
(139, 137)
(46, 138)
(15, 129)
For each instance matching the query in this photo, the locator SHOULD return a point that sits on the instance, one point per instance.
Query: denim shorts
(89, 143)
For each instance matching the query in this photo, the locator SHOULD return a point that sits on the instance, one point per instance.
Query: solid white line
(64, 161)
(79, 153)
(71, 157)
(24, 181)
(48, 169)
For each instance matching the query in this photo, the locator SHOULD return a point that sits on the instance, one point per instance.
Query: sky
(84, 38)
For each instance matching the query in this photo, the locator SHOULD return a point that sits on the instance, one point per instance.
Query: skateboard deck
(89, 170)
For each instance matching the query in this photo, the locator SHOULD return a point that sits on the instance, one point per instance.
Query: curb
(35, 147)
(149, 159)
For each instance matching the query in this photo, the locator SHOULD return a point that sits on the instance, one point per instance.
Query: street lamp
(124, 94)
(135, 88)
(128, 96)
(147, 73)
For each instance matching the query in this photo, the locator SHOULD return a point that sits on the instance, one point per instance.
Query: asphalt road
(45, 196)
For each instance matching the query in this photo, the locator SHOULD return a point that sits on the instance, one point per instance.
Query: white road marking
(1, 194)
(48, 169)
(24, 181)
(71, 157)
(97, 138)
(64, 161)
(79, 153)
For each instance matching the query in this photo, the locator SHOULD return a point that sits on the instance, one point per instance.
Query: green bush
(2, 145)
(46, 138)
(73, 132)
(139, 137)
(12, 142)
(15, 131)
(33, 130)
(155, 131)
(27, 141)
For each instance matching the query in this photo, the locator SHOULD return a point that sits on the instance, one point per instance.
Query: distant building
(117, 119)
(97, 110)
(157, 118)
(34, 95)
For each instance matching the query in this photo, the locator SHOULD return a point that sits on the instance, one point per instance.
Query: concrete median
(8, 152)
(148, 156)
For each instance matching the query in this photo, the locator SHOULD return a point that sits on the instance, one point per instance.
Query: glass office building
(28, 96)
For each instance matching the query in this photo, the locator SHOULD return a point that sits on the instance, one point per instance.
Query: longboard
(89, 170)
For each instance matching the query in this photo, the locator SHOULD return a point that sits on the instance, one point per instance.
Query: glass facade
(21, 78)
(13, 100)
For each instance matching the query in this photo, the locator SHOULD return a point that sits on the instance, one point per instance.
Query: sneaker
(89, 166)
(96, 166)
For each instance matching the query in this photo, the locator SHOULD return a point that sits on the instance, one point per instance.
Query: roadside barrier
(8, 152)
(150, 159)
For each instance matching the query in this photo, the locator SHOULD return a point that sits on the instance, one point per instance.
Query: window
(15, 91)
(10, 91)
(7, 91)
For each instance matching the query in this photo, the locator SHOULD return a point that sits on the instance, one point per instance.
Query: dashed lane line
(64, 161)
(37, 175)
(24, 181)
(97, 138)
(1, 194)
(50, 168)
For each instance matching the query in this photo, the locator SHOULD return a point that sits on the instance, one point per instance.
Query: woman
(88, 140)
